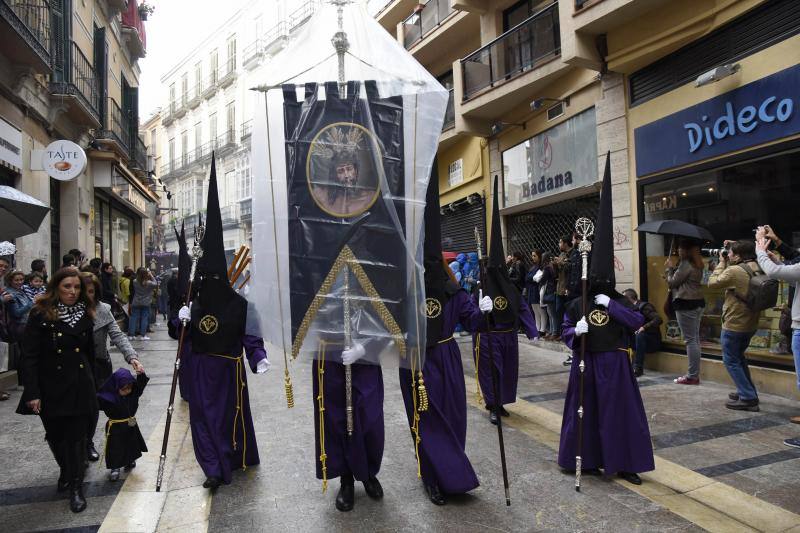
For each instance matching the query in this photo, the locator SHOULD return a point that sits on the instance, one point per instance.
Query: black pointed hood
(213, 262)
(498, 285)
(438, 284)
(184, 263)
(602, 279)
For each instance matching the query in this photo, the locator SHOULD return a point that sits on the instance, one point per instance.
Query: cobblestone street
(716, 469)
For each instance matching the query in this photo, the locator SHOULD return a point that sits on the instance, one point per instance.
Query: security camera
(716, 74)
(537, 104)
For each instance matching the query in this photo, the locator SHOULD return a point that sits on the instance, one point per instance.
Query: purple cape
(443, 427)
(360, 454)
(109, 391)
(504, 351)
(616, 436)
(215, 421)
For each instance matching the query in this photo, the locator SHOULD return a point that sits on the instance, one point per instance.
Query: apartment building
(208, 108)
(69, 71)
(696, 100)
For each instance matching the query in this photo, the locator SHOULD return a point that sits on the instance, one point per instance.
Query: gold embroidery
(347, 259)
(433, 308)
(598, 318)
(208, 325)
(500, 303)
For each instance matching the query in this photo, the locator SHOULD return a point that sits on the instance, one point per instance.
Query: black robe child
(124, 442)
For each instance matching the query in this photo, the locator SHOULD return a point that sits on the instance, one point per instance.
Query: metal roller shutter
(458, 226)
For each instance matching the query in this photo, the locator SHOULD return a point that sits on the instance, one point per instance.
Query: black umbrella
(20, 214)
(676, 228)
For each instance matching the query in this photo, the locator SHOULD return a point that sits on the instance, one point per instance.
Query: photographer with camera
(737, 264)
(684, 282)
(783, 272)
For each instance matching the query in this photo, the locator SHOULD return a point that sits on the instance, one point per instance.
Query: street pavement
(717, 469)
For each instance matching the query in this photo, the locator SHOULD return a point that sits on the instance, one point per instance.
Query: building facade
(208, 108)
(69, 71)
(543, 90)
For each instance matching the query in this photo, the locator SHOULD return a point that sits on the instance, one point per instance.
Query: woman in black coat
(58, 375)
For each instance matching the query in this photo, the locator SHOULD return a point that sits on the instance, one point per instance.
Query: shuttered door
(458, 227)
(543, 227)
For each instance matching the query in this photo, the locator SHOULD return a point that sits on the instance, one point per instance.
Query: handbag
(785, 322)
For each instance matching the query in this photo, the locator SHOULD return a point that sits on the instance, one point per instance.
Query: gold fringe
(287, 384)
(478, 395)
(321, 406)
(415, 359)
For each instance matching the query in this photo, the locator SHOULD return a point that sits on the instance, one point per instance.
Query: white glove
(602, 299)
(353, 354)
(185, 314)
(582, 327)
(538, 276)
(486, 304)
(262, 366)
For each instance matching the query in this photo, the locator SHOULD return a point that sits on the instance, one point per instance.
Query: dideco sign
(759, 112)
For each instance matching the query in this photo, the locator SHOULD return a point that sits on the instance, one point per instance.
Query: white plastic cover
(373, 56)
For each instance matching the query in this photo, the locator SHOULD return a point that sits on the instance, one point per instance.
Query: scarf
(32, 292)
(71, 314)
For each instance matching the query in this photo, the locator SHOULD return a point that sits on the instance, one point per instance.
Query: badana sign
(557, 160)
(63, 160)
(756, 113)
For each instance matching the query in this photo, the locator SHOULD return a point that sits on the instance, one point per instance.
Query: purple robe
(505, 354)
(616, 436)
(360, 454)
(183, 370)
(214, 418)
(443, 427)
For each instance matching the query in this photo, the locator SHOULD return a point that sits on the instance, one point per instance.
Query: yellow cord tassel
(287, 384)
(423, 394)
(478, 395)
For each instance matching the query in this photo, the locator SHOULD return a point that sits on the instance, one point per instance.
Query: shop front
(120, 210)
(549, 181)
(462, 195)
(728, 163)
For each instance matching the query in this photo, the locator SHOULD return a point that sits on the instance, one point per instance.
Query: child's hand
(137, 366)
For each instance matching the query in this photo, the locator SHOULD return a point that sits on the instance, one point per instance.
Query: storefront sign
(126, 191)
(759, 112)
(455, 172)
(10, 145)
(63, 160)
(558, 160)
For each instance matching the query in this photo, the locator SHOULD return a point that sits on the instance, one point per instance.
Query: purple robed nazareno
(443, 427)
(212, 407)
(616, 436)
(505, 354)
(362, 453)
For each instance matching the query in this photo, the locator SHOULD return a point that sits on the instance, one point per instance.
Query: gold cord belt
(131, 420)
(240, 385)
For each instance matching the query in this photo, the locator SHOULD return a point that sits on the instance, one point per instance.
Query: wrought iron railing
(79, 81)
(227, 72)
(518, 50)
(303, 13)
(118, 125)
(140, 154)
(247, 128)
(449, 113)
(31, 19)
(425, 20)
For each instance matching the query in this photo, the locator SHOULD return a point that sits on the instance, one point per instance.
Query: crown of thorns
(335, 142)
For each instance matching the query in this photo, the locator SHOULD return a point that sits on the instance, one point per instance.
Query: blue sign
(759, 112)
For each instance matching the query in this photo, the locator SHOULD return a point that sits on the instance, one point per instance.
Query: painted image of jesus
(341, 170)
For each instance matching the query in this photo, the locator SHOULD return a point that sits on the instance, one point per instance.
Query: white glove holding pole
(353, 354)
(262, 366)
(185, 314)
(582, 327)
(485, 303)
(602, 300)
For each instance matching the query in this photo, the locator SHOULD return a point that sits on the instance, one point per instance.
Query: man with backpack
(746, 295)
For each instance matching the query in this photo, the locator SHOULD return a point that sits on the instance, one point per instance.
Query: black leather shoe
(91, 452)
(734, 396)
(743, 405)
(567, 361)
(493, 418)
(114, 475)
(346, 496)
(212, 483)
(131, 466)
(436, 497)
(630, 477)
(77, 501)
(373, 488)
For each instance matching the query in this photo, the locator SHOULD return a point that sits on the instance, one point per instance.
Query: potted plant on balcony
(145, 10)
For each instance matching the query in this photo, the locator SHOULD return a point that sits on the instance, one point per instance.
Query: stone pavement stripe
(81, 529)
(544, 397)
(711, 505)
(549, 396)
(751, 462)
(542, 374)
(715, 431)
(47, 493)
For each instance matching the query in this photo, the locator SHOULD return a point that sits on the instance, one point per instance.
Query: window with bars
(184, 88)
(214, 64)
(230, 111)
(172, 98)
(231, 54)
(198, 77)
(243, 180)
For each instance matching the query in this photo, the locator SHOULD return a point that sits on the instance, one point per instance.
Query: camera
(714, 252)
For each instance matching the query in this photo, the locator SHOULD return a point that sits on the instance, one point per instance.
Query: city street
(717, 470)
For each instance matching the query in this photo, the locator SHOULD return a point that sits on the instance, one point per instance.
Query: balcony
(117, 132)
(299, 16)
(393, 12)
(169, 114)
(230, 215)
(229, 76)
(519, 50)
(247, 129)
(74, 84)
(424, 21)
(273, 40)
(210, 87)
(139, 158)
(115, 6)
(196, 96)
(246, 210)
(133, 31)
(226, 143)
(25, 33)
(180, 109)
(449, 113)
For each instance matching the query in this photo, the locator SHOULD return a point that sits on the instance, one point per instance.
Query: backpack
(762, 292)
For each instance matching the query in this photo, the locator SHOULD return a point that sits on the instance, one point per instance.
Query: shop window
(123, 238)
(731, 202)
